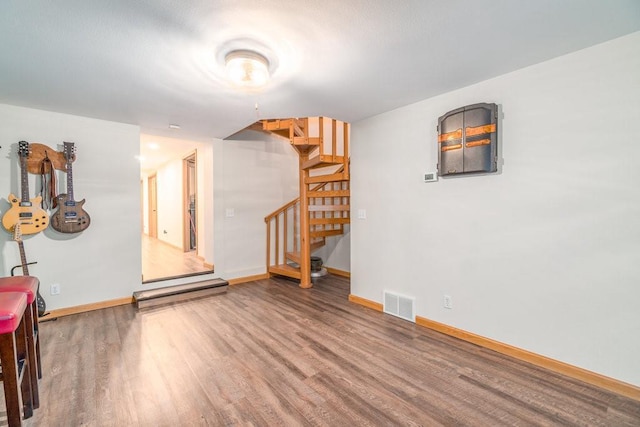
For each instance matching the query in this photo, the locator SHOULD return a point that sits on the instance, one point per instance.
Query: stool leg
(23, 354)
(10, 380)
(31, 352)
(36, 331)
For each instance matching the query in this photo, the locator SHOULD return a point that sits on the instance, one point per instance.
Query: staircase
(303, 225)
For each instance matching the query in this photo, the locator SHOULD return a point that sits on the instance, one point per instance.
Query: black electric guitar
(17, 236)
(70, 217)
(26, 212)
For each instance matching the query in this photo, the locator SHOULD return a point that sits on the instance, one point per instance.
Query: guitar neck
(23, 259)
(70, 181)
(24, 180)
(69, 150)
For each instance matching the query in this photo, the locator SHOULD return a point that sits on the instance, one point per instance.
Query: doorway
(171, 247)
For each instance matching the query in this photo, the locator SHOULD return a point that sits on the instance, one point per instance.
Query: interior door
(153, 206)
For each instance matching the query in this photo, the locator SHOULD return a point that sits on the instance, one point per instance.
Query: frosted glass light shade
(247, 68)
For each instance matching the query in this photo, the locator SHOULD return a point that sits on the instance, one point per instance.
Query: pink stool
(14, 356)
(29, 286)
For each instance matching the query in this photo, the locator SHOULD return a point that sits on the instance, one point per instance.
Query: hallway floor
(161, 260)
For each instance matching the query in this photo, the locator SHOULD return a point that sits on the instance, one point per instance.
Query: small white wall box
(430, 176)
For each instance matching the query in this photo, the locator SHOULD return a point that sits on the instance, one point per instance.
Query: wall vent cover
(400, 306)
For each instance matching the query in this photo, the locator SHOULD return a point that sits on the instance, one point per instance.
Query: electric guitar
(26, 212)
(70, 217)
(17, 236)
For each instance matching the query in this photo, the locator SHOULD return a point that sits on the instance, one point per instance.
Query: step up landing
(168, 294)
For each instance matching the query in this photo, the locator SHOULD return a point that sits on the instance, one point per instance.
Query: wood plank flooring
(161, 260)
(268, 353)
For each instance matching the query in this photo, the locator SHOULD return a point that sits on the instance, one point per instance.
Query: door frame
(186, 219)
(152, 186)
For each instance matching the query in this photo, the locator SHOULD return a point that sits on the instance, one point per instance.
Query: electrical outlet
(55, 289)
(447, 301)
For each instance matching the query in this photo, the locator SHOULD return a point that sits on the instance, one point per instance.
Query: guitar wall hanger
(39, 152)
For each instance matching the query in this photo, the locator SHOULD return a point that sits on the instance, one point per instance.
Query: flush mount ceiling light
(246, 68)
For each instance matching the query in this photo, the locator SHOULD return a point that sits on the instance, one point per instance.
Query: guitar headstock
(69, 151)
(17, 233)
(23, 149)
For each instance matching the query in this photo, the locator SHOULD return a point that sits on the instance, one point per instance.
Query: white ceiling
(156, 62)
(156, 151)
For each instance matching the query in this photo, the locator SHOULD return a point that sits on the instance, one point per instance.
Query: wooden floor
(268, 353)
(161, 260)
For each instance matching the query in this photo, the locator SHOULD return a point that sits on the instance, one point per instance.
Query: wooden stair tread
(281, 128)
(306, 141)
(329, 221)
(329, 208)
(328, 193)
(341, 176)
(322, 161)
(273, 125)
(326, 233)
(295, 255)
(285, 270)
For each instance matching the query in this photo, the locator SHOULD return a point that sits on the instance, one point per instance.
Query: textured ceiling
(156, 62)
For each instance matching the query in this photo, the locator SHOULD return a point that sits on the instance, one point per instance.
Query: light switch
(230, 212)
(362, 214)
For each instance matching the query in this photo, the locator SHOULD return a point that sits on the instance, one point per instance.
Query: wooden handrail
(281, 209)
(292, 203)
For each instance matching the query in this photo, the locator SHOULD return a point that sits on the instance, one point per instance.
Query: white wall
(254, 177)
(144, 192)
(544, 256)
(205, 202)
(170, 203)
(104, 261)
